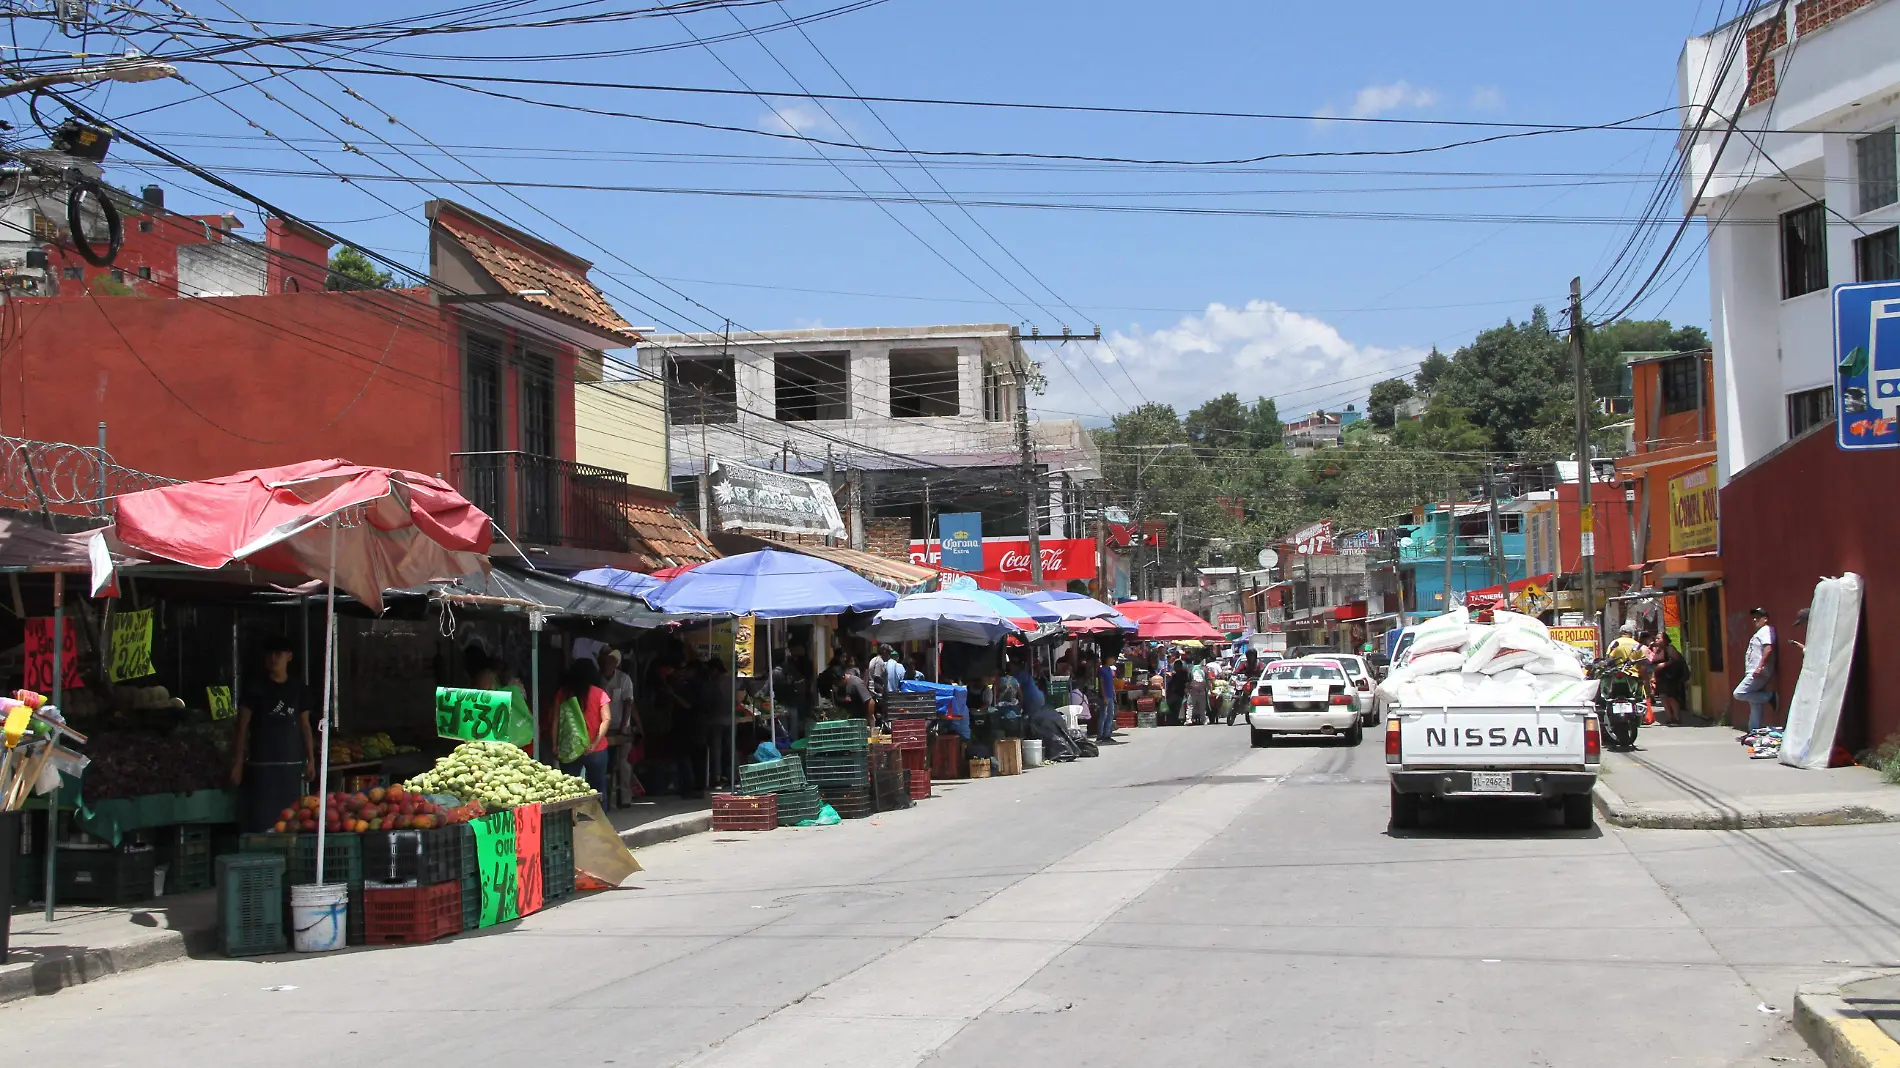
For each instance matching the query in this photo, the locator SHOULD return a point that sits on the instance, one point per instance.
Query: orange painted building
(1671, 468)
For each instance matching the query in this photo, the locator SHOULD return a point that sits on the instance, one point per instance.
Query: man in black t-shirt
(274, 753)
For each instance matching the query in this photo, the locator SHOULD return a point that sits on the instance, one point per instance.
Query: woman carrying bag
(582, 716)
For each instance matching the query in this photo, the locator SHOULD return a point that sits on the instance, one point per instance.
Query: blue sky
(1308, 309)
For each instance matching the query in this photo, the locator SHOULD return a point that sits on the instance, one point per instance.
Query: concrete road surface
(1183, 900)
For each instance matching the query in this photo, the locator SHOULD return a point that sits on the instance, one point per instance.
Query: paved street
(1182, 900)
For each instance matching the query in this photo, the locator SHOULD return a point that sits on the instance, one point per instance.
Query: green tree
(1220, 425)
(1382, 404)
(1430, 370)
(1264, 422)
(1604, 348)
(350, 269)
(1505, 377)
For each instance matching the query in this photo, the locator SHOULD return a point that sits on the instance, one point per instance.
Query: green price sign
(131, 646)
(473, 715)
(497, 866)
(218, 700)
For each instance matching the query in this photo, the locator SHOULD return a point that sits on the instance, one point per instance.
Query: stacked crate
(185, 850)
(797, 799)
(910, 736)
(836, 761)
(739, 812)
(890, 780)
(342, 863)
(250, 904)
(557, 856)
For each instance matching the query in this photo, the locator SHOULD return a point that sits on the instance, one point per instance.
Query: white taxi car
(1304, 697)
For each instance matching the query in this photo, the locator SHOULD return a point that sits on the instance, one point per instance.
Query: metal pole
(771, 684)
(535, 622)
(1586, 473)
(329, 689)
(732, 722)
(59, 688)
(926, 521)
(1451, 536)
(1101, 547)
(100, 461)
(1494, 544)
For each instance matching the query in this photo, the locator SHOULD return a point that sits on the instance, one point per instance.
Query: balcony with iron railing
(548, 501)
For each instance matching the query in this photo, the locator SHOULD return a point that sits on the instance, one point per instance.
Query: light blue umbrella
(1076, 606)
(950, 615)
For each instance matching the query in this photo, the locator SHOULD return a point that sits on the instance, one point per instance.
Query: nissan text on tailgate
(1492, 752)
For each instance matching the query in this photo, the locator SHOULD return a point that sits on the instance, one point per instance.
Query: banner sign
(745, 646)
(1693, 511)
(218, 702)
(131, 646)
(473, 715)
(1867, 369)
(960, 537)
(497, 866)
(39, 655)
(528, 875)
(1007, 559)
(752, 498)
(1230, 620)
(1313, 540)
(1584, 638)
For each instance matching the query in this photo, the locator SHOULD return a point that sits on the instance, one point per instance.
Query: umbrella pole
(732, 713)
(936, 650)
(59, 694)
(329, 696)
(771, 688)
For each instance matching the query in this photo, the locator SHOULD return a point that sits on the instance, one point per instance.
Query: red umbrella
(1167, 622)
(667, 574)
(392, 529)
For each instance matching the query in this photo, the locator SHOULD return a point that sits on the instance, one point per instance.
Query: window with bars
(1877, 256)
(1681, 390)
(537, 403)
(1875, 162)
(1804, 250)
(1809, 409)
(481, 399)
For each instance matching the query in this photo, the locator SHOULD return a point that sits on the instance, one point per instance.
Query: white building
(1803, 198)
(894, 407)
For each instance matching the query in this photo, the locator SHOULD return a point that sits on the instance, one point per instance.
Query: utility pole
(1033, 498)
(1586, 471)
(1101, 545)
(1451, 535)
(926, 519)
(1494, 546)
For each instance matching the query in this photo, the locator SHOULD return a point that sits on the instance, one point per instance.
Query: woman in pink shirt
(583, 684)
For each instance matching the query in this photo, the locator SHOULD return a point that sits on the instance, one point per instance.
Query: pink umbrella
(1167, 622)
(365, 529)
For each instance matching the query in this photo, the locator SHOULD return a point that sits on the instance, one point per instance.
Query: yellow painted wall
(621, 425)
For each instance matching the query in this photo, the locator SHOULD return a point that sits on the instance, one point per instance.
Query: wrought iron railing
(545, 500)
(71, 479)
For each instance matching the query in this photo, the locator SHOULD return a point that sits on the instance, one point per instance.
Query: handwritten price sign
(131, 646)
(39, 655)
(498, 867)
(472, 715)
(218, 701)
(528, 859)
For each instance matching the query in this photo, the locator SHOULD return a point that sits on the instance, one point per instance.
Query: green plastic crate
(251, 893)
(185, 850)
(275, 844)
(342, 859)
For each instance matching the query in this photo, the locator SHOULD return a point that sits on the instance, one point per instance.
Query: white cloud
(1376, 100)
(802, 119)
(1261, 349)
(1487, 98)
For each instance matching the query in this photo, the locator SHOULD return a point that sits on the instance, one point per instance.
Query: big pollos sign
(1008, 558)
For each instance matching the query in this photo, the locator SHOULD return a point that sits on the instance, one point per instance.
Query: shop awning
(27, 547)
(897, 576)
(504, 584)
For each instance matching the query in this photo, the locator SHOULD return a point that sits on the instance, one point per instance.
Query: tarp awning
(565, 596)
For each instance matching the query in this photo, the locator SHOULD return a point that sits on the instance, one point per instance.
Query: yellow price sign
(218, 700)
(131, 646)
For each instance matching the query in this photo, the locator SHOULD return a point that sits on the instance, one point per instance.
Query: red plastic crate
(409, 914)
(916, 759)
(919, 783)
(910, 734)
(1144, 704)
(741, 812)
(1124, 721)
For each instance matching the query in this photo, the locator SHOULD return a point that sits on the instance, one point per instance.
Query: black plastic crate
(185, 850)
(423, 858)
(557, 832)
(105, 876)
(472, 901)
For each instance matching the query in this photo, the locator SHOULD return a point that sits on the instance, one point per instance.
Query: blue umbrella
(1075, 606)
(947, 615)
(770, 584)
(628, 582)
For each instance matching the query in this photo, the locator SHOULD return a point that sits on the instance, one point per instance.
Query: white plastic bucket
(1032, 752)
(319, 917)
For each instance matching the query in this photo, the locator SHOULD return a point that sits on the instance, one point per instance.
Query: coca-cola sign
(1008, 558)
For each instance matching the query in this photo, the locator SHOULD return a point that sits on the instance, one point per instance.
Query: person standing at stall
(582, 686)
(274, 752)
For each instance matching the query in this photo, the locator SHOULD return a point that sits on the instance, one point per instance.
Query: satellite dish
(1268, 558)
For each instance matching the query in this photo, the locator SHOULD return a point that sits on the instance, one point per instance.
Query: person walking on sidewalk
(1758, 670)
(1668, 678)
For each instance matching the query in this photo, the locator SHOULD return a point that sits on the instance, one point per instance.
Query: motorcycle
(1621, 701)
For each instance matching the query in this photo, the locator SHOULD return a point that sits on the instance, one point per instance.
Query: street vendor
(274, 752)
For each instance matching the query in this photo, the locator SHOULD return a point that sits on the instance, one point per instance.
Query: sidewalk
(652, 820)
(87, 942)
(1698, 778)
(1853, 1020)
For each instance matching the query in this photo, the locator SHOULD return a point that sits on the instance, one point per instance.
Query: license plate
(1491, 782)
(1624, 708)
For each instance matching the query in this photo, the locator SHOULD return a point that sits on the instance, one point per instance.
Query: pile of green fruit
(498, 775)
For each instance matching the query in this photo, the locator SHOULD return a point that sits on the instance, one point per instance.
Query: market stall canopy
(27, 546)
(1156, 621)
(947, 577)
(563, 596)
(772, 584)
(391, 529)
(948, 615)
(619, 581)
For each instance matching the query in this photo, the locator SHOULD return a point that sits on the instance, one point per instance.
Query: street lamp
(125, 70)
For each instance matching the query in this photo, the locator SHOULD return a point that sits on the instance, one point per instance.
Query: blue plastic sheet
(953, 702)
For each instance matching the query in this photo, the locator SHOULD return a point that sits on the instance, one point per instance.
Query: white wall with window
(1804, 198)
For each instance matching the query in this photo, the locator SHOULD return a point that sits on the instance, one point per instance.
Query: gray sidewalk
(87, 942)
(1699, 778)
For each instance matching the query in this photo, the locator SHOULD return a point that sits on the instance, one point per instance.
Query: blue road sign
(1867, 365)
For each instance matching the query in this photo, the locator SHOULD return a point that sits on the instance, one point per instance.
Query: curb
(1840, 1033)
(667, 829)
(33, 979)
(1614, 809)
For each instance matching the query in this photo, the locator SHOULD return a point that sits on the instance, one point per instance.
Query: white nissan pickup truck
(1524, 752)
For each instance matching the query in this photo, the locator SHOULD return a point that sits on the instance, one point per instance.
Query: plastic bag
(765, 751)
(571, 739)
(827, 816)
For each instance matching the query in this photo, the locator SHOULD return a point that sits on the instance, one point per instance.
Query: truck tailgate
(1492, 737)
